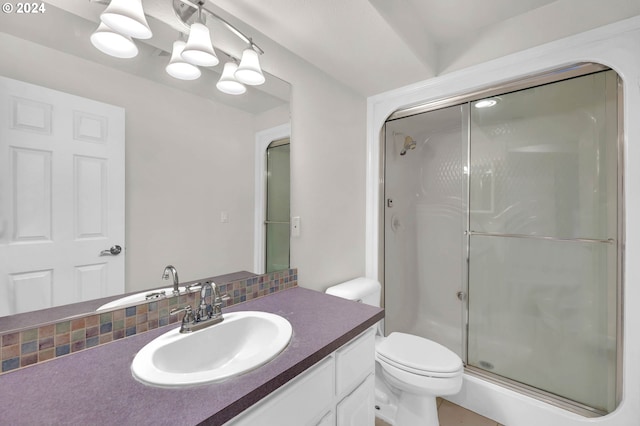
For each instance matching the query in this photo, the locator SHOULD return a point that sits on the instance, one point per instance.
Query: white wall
(327, 180)
(328, 158)
(187, 159)
(615, 45)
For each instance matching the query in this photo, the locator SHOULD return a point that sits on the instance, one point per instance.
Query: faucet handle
(155, 295)
(187, 319)
(186, 309)
(223, 298)
(188, 288)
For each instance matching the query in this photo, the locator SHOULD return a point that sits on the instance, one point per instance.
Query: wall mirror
(190, 151)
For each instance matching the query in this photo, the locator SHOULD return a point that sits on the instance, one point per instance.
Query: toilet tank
(365, 290)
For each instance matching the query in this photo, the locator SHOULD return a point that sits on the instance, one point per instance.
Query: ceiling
(377, 45)
(373, 46)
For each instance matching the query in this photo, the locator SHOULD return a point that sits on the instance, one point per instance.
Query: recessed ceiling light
(486, 103)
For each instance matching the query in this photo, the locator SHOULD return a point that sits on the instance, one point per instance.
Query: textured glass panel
(277, 226)
(277, 247)
(425, 219)
(544, 313)
(543, 162)
(278, 183)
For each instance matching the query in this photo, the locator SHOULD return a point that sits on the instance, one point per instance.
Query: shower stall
(502, 228)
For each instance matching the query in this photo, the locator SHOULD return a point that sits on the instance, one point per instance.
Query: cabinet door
(354, 362)
(328, 420)
(300, 402)
(357, 409)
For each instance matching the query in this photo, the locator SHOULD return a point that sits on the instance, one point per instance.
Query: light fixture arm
(200, 6)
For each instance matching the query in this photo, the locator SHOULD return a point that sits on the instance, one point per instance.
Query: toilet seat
(418, 355)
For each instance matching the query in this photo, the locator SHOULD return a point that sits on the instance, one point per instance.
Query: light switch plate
(295, 226)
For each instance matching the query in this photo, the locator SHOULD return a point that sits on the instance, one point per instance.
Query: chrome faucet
(165, 276)
(207, 314)
(210, 311)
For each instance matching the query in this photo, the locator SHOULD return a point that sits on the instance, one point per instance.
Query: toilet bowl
(411, 371)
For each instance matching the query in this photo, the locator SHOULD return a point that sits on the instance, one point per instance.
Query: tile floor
(450, 414)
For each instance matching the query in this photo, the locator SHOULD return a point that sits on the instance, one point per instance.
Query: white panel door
(61, 198)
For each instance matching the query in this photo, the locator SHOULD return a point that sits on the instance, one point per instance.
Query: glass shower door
(543, 235)
(425, 219)
(277, 219)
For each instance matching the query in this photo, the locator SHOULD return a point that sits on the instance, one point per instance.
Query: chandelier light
(249, 71)
(178, 67)
(123, 20)
(113, 43)
(199, 50)
(228, 83)
(127, 18)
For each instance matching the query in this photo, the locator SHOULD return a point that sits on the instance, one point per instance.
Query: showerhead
(409, 144)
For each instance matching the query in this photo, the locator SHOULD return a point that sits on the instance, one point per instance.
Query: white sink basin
(139, 297)
(242, 342)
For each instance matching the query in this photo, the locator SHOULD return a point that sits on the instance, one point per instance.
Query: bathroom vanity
(339, 390)
(323, 377)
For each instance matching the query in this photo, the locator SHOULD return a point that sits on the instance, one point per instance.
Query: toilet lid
(417, 354)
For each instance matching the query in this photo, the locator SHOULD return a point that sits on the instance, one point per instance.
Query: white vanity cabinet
(357, 408)
(338, 391)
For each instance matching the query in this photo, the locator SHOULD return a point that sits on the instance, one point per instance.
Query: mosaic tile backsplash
(27, 347)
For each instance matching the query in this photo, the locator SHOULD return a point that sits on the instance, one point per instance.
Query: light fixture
(178, 67)
(127, 18)
(249, 71)
(113, 43)
(486, 103)
(228, 83)
(199, 50)
(123, 20)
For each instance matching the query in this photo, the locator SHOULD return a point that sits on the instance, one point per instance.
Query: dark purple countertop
(95, 387)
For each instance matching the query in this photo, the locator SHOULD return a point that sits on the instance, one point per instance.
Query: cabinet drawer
(300, 402)
(354, 362)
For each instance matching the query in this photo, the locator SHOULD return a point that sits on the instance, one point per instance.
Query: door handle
(113, 251)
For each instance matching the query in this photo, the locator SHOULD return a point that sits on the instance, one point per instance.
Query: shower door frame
(552, 76)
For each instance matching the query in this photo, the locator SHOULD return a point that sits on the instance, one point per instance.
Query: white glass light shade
(228, 83)
(178, 67)
(249, 71)
(113, 43)
(127, 17)
(199, 50)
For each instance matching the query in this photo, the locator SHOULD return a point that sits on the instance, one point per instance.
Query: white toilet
(411, 371)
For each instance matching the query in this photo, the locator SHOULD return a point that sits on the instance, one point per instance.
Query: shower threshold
(533, 392)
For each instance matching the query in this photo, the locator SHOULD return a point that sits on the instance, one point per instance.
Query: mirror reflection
(183, 185)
